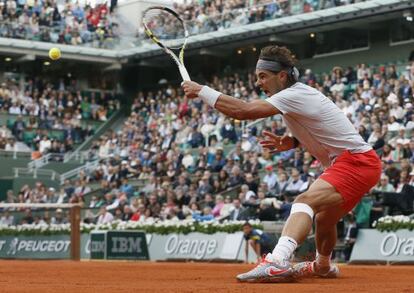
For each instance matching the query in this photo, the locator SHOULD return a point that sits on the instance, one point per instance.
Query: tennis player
(316, 123)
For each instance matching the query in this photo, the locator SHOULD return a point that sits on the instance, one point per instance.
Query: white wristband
(209, 95)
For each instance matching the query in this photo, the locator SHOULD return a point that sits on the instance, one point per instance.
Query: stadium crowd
(51, 22)
(38, 106)
(207, 16)
(97, 26)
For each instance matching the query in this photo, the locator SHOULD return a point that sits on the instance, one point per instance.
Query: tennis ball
(54, 53)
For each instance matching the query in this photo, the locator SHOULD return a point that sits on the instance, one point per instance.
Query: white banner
(198, 246)
(372, 245)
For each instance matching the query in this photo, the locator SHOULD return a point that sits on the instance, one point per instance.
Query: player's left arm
(232, 107)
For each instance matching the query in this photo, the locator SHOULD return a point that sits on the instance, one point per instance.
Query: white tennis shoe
(308, 269)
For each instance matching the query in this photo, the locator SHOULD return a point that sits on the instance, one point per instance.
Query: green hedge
(394, 223)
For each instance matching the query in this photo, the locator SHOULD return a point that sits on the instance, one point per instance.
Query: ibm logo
(126, 244)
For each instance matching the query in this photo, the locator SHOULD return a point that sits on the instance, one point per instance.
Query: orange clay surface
(111, 276)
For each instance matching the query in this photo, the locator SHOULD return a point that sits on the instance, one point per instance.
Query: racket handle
(184, 74)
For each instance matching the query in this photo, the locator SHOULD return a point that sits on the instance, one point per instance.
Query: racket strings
(164, 25)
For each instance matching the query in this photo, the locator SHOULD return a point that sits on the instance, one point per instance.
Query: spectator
(295, 184)
(204, 186)
(218, 206)
(219, 161)
(228, 132)
(59, 217)
(28, 218)
(18, 128)
(154, 205)
(251, 182)
(105, 217)
(126, 188)
(6, 219)
(237, 211)
(283, 181)
(209, 201)
(205, 216)
(350, 235)
(285, 207)
(235, 177)
(195, 138)
(223, 179)
(271, 180)
(267, 211)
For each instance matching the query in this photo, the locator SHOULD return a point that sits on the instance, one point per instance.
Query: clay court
(87, 276)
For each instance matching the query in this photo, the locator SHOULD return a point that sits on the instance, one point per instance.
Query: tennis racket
(166, 28)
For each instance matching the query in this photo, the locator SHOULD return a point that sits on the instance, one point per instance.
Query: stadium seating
(64, 24)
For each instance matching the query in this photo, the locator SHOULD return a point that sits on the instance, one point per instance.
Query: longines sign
(372, 245)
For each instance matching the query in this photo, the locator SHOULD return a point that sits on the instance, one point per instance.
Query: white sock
(284, 248)
(323, 260)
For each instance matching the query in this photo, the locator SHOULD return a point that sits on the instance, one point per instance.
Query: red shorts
(353, 175)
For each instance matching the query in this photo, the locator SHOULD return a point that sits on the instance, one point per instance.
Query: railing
(15, 154)
(39, 163)
(35, 173)
(53, 175)
(80, 156)
(88, 167)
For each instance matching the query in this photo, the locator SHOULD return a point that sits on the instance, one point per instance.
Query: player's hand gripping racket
(165, 28)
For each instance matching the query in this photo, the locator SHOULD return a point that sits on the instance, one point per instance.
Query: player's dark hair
(282, 55)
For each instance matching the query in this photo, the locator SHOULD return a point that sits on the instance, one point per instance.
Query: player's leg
(342, 184)
(320, 196)
(326, 235)
(325, 238)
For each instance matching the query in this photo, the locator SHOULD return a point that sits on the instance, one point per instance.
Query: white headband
(269, 65)
(276, 67)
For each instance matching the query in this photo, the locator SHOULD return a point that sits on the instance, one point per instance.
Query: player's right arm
(232, 107)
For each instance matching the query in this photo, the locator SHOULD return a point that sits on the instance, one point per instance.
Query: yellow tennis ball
(54, 53)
